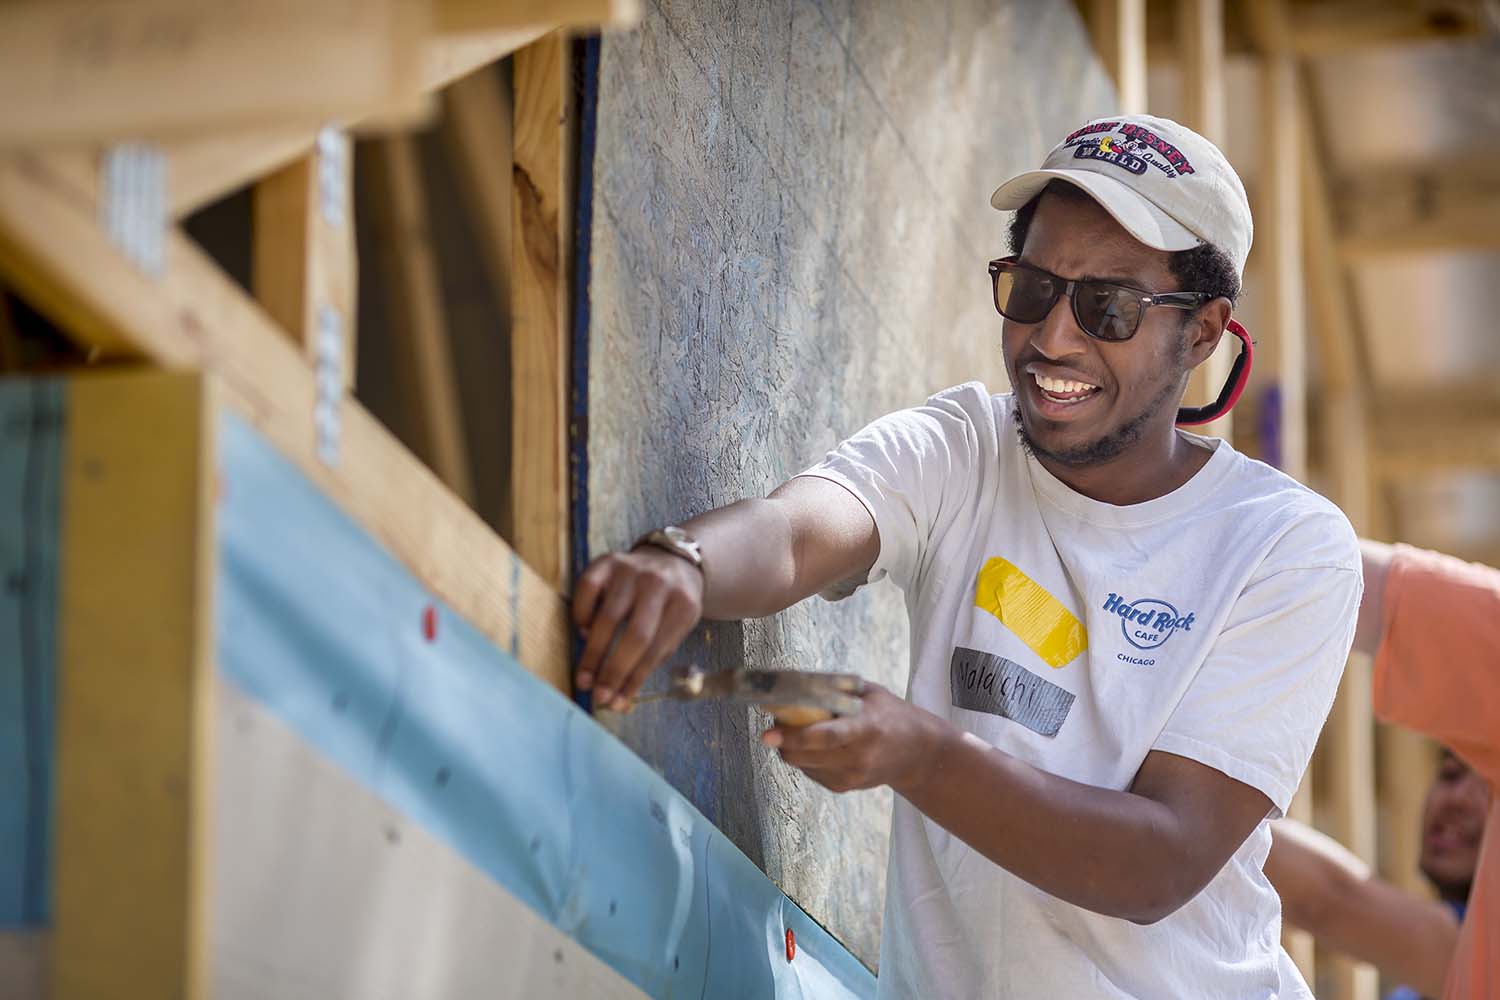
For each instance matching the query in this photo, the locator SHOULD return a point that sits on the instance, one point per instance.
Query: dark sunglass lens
(1024, 296)
(1108, 311)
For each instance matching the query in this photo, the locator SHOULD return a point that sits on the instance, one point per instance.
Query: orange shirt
(1438, 671)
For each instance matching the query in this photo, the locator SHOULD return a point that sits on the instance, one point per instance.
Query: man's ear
(1204, 329)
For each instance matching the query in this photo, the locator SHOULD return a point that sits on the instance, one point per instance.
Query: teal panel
(317, 621)
(31, 444)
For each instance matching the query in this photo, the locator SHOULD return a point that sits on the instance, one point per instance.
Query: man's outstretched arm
(1329, 892)
(1137, 854)
(759, 557)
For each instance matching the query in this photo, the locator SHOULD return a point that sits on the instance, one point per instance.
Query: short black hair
(1202, 269)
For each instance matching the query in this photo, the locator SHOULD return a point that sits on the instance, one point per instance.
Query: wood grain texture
(540, 289)
(134, 689)
(74, 70)
(1200, 52)
(791, 224)
(416, 301)
(208, 166)
(1119, 31)
(303, 254)
(51, 248)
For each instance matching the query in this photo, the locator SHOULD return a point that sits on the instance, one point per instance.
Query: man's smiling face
(1083, 401)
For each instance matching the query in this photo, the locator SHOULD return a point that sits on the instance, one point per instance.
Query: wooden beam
(304, 266)
(472, 15)
(1420, 449)
(1447, 205)
(133, 789)
(207, 167)
(1341, 354)
(1200, 45)
(539, 308)
(76, 70)
(477, 114)
(416, 301)
(1331, 26)
(51, 249)
(1118, 28)
(1280, 239)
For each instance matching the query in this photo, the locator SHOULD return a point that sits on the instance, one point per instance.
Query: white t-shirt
(1212, 623)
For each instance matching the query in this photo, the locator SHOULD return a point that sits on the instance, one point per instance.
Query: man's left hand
(890, 742)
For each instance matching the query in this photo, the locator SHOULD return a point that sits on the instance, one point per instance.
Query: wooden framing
(303, 249)
(1118, 28)
(1339, 25)
(76, 70)
(416, 301)
(206, 167)
(1282, 346)
(1200, 48)
(132, 840)
(173, 786)
(52, 249)
(468, 15)
(539, 308)
(1453, 205)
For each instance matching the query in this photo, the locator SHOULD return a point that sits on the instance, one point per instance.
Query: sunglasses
(1104, 310)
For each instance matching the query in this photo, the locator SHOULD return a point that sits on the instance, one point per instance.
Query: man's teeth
(1061, 386)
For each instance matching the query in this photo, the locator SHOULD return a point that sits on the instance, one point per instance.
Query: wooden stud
(1347, 747)
(539, 308)
(135, 679)
(416, 300)
(1118, 28)
(1200, 45)
(477, 112)
(51, 249)
(1280, 238)
(303, 251)
(76, 70)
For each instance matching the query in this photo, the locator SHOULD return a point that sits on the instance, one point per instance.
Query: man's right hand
(634, 608)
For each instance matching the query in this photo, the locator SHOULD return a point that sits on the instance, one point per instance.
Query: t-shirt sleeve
(1437, 669)
(910, 469)
(1256, 707)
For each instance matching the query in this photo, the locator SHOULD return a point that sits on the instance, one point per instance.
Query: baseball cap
(1168, 186)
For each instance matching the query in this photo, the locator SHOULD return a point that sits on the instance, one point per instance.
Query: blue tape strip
(587, 62)
(31, 446)
(323, 626)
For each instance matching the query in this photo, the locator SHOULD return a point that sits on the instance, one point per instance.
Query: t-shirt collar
(1181, 500)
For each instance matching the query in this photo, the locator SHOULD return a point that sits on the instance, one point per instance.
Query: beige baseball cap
(1168, 186)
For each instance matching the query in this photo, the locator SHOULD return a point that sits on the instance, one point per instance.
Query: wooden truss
(216, 97)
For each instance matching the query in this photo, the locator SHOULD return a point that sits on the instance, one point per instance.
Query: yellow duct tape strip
(1026, 608)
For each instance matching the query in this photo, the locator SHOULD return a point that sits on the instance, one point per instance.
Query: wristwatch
(676, 541)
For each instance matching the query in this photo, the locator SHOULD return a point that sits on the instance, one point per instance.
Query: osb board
(791, 225)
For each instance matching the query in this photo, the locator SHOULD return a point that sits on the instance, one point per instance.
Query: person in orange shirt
(1432, 623)
(1328, 891)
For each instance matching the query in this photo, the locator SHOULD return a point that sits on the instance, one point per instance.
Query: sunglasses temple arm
(1234, 386)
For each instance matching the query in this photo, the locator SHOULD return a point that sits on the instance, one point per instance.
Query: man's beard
(1103, 449)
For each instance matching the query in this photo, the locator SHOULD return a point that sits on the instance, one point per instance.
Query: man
(1433, 626)
(1328, 891)
(1124, 638)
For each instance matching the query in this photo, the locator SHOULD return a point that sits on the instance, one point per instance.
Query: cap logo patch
(1131, 147)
